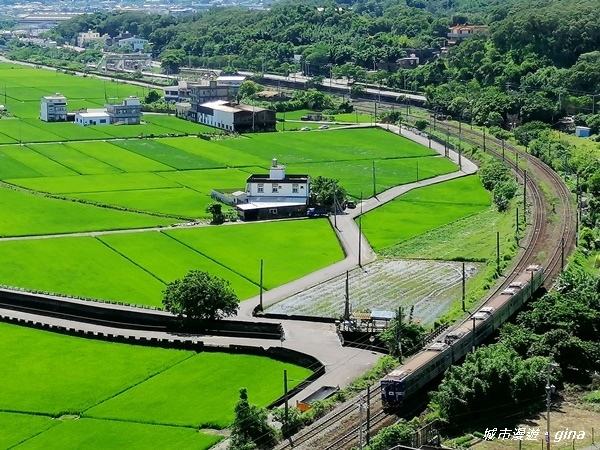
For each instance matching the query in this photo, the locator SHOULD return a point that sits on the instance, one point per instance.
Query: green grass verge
(79, 266)
(32, 214)
(471, 238)
(197, 389)
(424, 209)
(103, 434)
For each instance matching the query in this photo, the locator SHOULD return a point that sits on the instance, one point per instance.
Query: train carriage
(457, 342)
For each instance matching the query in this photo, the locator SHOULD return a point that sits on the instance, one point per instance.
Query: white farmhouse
(54, 108)
(275, 195)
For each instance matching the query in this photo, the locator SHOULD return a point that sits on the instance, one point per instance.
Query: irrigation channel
(547, 243)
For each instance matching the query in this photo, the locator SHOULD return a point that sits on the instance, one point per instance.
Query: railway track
(555, 239)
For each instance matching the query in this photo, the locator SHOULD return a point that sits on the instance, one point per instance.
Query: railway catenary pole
(399, 334)
(550, 389)
(498, 252)
(484, 139)
(360, 231)
(368, 415)
(473, 334)
(524, 196)
(562, 254)
(517, 226)
(463, 287)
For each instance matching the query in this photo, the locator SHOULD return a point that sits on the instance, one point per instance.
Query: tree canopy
(199, 295)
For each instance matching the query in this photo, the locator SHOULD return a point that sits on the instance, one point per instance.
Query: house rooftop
(266, 178)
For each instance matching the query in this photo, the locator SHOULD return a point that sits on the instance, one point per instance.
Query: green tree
(493, 173)
(400, 433)
(249, 88)
(250, 429)
(325, 192)
(410, 335)
(421, 124)
(201, 296)
(216, 209)
(153, 96)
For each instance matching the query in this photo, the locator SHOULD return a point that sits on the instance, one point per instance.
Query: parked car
(324, 127)
(305, 129)
(350, 204)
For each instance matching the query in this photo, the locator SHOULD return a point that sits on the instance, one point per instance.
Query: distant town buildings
(54, 108)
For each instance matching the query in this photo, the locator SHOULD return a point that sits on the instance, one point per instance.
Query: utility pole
(550, 389)
(418, 170)
(474, 332)
(517, 226)
(484, 139)
(287, 408)
(347, 303)
(517, 167)
(374, 185)
(360, 230)
(463, 287)
(562, 254)
(261, 285)
(399, 334)
(498, 252)
(502, 149)
(368, 415)
(524, 196)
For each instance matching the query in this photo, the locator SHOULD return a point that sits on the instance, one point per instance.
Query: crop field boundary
(212, 259)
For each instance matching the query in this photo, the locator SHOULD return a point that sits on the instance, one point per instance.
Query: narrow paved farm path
(343, 364)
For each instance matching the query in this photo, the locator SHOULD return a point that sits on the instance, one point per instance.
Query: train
(455, 343)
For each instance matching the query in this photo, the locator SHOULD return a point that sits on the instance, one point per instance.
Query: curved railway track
(547, 243)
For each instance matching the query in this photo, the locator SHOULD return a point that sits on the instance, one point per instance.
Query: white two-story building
(274, 195)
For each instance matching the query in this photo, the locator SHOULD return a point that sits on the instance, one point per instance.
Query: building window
(102, 120)
(295, 188)
(273, 211)
(261, 188)
(275, 188)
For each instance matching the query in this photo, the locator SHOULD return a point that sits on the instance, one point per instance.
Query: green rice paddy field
(174, 176)
(424, 209)
(135, 267)
(70, 393)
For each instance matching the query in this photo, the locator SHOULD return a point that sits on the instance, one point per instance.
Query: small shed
(582, 131)
(239, 197)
